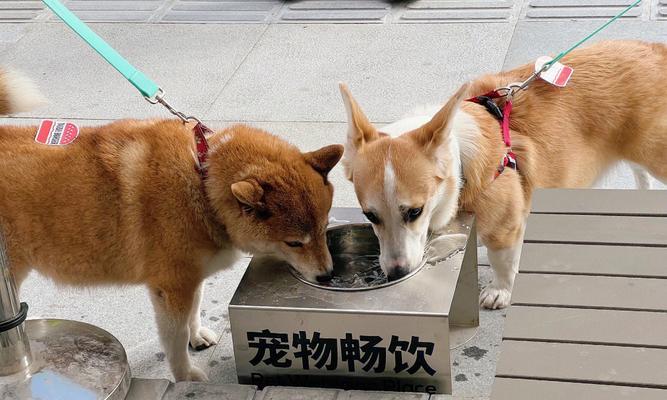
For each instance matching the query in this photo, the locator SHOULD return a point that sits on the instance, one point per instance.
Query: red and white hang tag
(557, 75)
(56, 133)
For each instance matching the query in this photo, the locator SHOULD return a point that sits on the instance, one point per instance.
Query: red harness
(503, 116)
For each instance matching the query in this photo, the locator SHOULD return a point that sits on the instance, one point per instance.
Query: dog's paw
(197, 375)
(493, 297)
(203, 339)
(194, 374)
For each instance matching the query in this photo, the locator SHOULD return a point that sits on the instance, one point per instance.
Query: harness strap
(503, 117)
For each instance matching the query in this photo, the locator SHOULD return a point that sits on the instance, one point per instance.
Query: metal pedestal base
(71, 360)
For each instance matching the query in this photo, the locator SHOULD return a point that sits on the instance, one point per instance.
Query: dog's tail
(17, 93)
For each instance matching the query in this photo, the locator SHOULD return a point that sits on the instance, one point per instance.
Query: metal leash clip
(515, 87)
(159, 99)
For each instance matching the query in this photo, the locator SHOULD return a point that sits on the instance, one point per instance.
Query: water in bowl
(356, 271)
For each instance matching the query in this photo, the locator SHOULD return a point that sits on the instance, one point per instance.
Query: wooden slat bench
(589, 309)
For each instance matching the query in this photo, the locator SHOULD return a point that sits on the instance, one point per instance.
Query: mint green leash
(595, 32)
(145, 85)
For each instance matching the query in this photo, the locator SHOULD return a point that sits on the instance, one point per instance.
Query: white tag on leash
(557, 75)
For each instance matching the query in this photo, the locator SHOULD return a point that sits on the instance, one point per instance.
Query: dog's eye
(372, 217)
(294, 244)
(413, 214)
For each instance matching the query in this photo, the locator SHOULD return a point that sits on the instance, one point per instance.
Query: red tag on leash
(56, 133)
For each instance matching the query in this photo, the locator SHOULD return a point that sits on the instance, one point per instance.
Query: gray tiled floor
(191, 62)
(331, 11)
(281, 77)
(291, 65)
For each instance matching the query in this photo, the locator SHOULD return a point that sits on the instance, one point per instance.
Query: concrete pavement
(276, 65)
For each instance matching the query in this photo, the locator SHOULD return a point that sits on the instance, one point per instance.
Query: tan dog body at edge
(123, 204)
(407, 176)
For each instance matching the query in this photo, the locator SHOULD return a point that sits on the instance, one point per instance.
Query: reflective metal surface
(288, 332)
(71, 361)
(14, 344)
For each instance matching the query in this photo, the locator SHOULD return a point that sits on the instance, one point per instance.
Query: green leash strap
(144, 84)
(582, 41)
(514, 88)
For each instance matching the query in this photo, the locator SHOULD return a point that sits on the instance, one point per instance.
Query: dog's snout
(324, 277)
(399, 262)
(398, 269)
(397, 273)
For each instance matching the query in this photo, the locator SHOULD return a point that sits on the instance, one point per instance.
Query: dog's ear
(434, 133)
(359, 132)
(324, 159)
(249, 193)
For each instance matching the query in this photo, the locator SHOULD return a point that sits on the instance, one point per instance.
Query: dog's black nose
(324, 278)
(397, 273)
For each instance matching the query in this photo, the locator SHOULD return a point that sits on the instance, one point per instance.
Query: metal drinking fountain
(372, 334)
(53, 359)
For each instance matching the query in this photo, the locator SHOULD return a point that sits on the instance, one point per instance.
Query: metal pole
(15, 354)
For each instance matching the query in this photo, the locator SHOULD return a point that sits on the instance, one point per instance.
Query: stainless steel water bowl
(355, 252)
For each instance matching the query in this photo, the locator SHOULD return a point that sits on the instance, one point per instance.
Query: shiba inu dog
(123, 204)
(411, 177)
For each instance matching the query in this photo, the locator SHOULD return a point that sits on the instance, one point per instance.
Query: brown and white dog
(123, 204)
(411, 185)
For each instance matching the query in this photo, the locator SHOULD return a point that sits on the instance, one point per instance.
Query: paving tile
(524, 389)
(20, 10)
(599, 202)
(574, 259)
(611, 327)
(147, 389)
(113, 10)
(461, 11)
(597, 229)
(534, 39)
(208, 391)
(474, 362)
(222, 11)
(80, 84)
(581, 9)
(364, 11)
(589, 292)
(565, 362)
(364, 395)
(10, 34)
(292, 73)
(289, 393)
